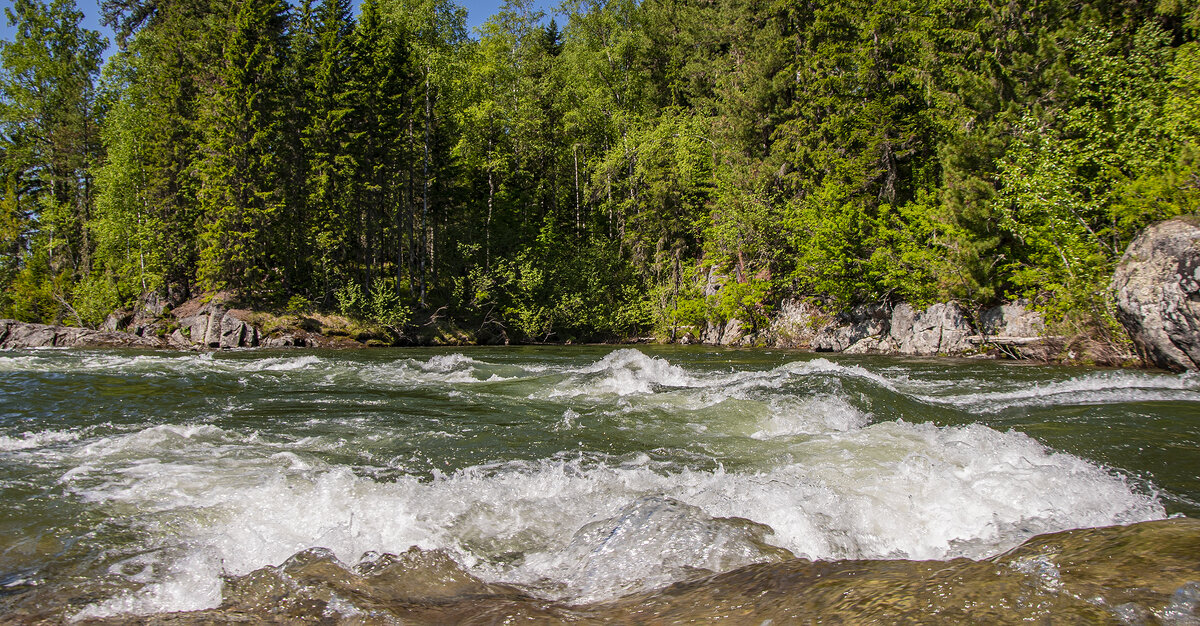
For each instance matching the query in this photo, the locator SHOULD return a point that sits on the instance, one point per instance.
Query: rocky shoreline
(944, 329)
(1156, 288)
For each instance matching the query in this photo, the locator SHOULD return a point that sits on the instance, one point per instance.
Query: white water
(890, 490)
(818, 468)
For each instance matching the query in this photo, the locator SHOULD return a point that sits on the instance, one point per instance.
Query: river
(582, 482)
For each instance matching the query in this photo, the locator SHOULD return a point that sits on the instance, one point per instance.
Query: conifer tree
(333, 223)
(382, 82)
(173, 52)
(240, 196)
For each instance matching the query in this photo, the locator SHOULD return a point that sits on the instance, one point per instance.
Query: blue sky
(477, 13)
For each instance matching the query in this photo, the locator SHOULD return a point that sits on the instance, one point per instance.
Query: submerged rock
(1140, 573)
(654, 541)
(1157, 286)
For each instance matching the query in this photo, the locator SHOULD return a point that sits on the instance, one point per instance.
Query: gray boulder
(1157, 287)
(1012, 320)
(862, 322)
(15, 334)
(212, 326)
(940, 329)
(724, 334)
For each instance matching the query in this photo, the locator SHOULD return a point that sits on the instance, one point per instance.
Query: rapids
(575, 479)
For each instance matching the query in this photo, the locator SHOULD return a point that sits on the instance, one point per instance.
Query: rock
(795, 324)
(1012, 320)
(727, 334)
(903, 317)
(179, 341)
(873, 345)
(940, 329)
(848, 329)
(117, 320)
(212, 331)
(1157, 287)
(15, 334)
(21, 335)
(212, 326)
(233, 332)
(284, 341)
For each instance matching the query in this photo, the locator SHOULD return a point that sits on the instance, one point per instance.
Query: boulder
(727, 334)
(212, 326)
(940, 329)
(117, 320)
(15, 334)
(233, 332)
(1157, 288)
(861, 322)
(1012, 320)
(873, 345)
(21, 335)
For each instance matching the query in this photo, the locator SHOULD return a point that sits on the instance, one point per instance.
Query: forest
(591, 176)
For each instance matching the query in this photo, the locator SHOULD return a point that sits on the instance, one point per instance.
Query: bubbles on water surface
(32, 440)
(593, 529)
(831, 481)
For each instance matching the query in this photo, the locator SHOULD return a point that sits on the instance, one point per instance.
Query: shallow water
(144, 483)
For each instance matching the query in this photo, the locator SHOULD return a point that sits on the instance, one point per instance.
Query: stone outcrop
(22, 335)
(1157, 287)
(944, 328)
(795, 324)
(728, 334)
(1012, 321)
(200, 326)
(867, 325)
(940, 329)
(212, 326)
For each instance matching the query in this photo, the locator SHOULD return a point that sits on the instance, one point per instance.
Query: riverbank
(1010, 331)
(1155, 288)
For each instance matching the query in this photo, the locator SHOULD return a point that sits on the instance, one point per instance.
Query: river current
(580, 482)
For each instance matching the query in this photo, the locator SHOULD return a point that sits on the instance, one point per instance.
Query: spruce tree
(240, 194)
(332, 223)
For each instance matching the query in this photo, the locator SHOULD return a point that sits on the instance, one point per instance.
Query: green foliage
(241, 188)
(31, 296)
(594, 181)
(350, 300)
(95, 297)
(298, 305)
(386, 306)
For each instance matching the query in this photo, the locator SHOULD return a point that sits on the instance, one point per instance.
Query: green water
(138, 483)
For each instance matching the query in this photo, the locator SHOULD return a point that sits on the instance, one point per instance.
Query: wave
(1102, 388)
(591, 527)
(33, 440)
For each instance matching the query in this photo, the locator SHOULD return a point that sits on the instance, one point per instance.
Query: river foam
(577, 479)
(889, 490)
